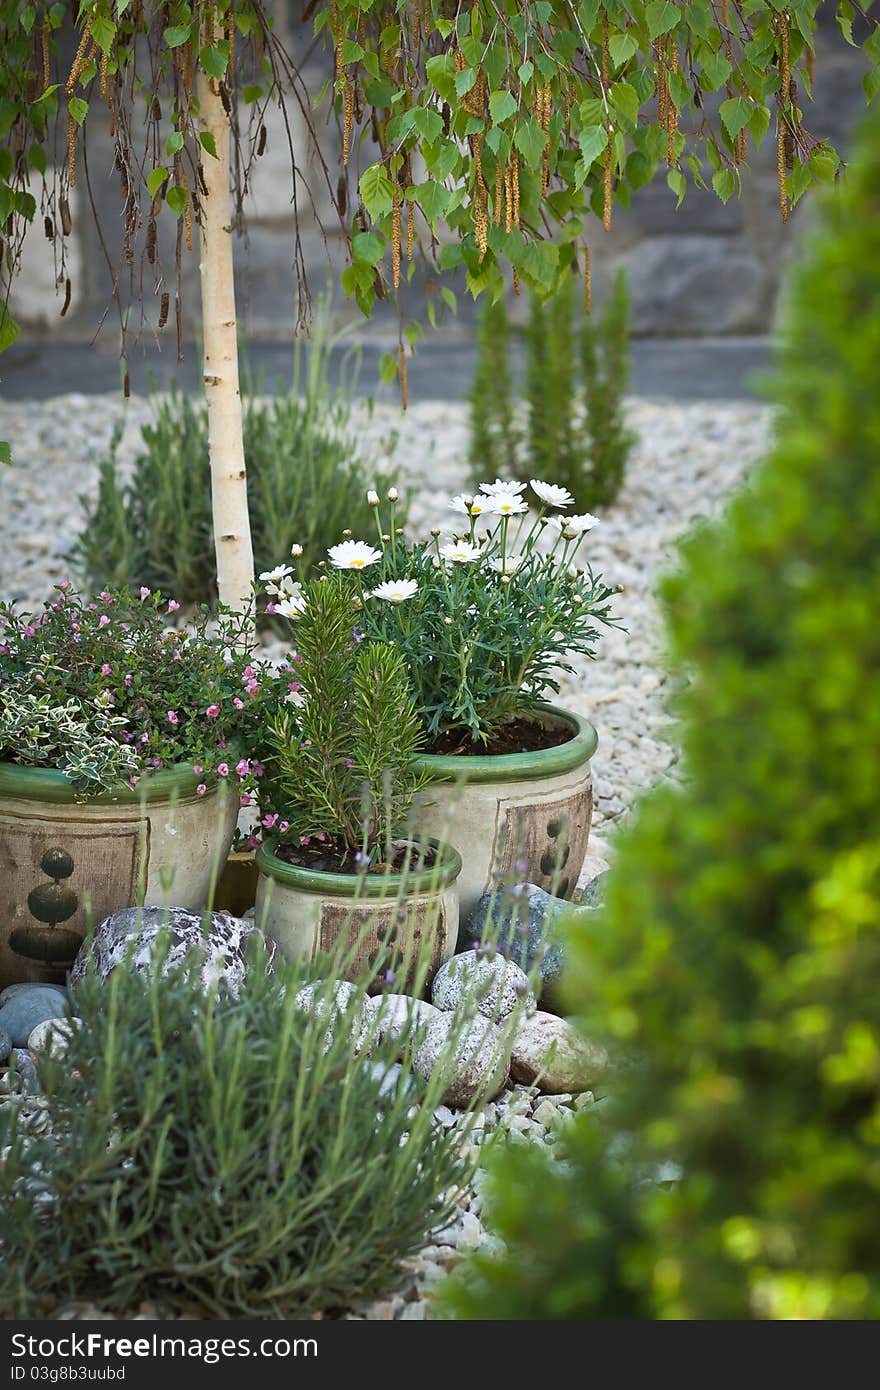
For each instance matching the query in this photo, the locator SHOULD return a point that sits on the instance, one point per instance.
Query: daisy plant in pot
(121, 773)
(486, 615)
(340, 747)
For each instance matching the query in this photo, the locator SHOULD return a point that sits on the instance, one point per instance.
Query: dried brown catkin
(781, 128)
(672, 115)
(606, 182)
(395, 235)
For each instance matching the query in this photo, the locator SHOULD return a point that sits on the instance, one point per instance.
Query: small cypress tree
(493, 432)
(605, 361)
(738, 959)
(566, 462)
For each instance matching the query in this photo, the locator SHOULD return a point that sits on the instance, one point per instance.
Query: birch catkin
(395, 235)
(781, 128)
(348, 119)
(606, 183)
(672, 115)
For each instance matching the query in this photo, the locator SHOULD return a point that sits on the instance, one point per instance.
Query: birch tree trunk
(232, 532)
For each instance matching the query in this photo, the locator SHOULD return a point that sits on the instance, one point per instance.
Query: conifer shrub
(222, 1157)
(737, 964)
(574, 431)
(493, 430)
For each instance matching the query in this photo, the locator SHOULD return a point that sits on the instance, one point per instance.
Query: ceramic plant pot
(65, 864)
(367, 919)
(515, 817)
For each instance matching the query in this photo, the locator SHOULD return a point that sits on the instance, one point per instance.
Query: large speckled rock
(52, 1036)
(348, 1006)
(30, 1005)
(474, 1057)
(218, 952)
(490, 982)
(20, 1078)
(396, 1017)
(551, 1052)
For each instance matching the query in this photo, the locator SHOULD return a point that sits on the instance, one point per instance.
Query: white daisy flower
(473, 506)
(395, 590)
(573, 526)
(460, 552)
(508, 504)
(273, 578)
(551, 494)
(509, 565)
(498, 486)
(353, 555)
(292, 604)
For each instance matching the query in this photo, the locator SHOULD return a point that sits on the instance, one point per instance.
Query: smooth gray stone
(522, 923)
(11, 990)
(20, 1015)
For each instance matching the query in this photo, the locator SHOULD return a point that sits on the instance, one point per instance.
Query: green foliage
(579, 439)
(340, 751)
(738, 959)
(605, 365)
(221, 1157)
(105, 689)
(493, 433)
(500, 616)
(306, 482)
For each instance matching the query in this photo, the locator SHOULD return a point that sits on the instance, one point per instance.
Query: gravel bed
(687, 459)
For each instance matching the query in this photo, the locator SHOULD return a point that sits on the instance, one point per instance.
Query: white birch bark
(232, 533)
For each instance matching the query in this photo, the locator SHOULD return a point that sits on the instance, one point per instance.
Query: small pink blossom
(270, 607)
(106, 669)
(201, 789)
(257, 768)
(172, 717)
(133, 781)
(41, 680)
(157, 762)
(252, 687)
(243, 767)
(65, 584)
(103, 621)
(77, 637)
(145, 738)
(244, 799)
(144, 592)
(5, 649)
(109, 697)
(128, 679)
(269, 821)
(322, 837)
(197, 768)
(239, 704)
(29, 631)
(173, 605)
(305, 839)
(222, 769)
(284, 825)
(248, 673)
(253, 842)
(221, 745)
(213, 711)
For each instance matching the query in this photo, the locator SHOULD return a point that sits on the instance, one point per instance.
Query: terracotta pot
(515, 817)
(66, 864)
(306, 911)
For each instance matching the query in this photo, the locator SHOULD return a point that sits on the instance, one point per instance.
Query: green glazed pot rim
(519, 767)
(441, 875)
(47, 784)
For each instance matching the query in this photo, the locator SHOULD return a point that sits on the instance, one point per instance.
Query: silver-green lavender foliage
(339, 757)
(221, 1157)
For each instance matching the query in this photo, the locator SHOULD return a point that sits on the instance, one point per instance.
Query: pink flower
(133, 781)
(248, 673)
(270, 607)
(243, 767)
(257, 768)
(284, 825)
(41, 680)
(65, 584)
(128, 680)
(201, 789)
(222, 769)
(106, 669)
(108, 696)
(253, 842)
(105, 595)
(294, 686)
(77, 637)
(197, 768)
(172, 717)
(221, 745)
(157, 762)
(269, 821)
(239, 704)
(305, 839)
(145, 592)
(252, 687)
(5, 649)
(244, 800)
(103, 620)
(145, 738)
(213, 711)
(173, 605)
(29, 631)
(321, 836)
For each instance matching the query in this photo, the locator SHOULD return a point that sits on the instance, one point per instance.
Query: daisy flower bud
(296, 551)
(393, 494)
(373, 497)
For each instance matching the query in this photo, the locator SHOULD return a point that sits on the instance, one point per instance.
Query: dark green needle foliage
(738, 959)
(605, 358)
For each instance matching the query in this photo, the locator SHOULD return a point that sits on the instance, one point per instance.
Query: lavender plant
(107, 690)
(484, 620)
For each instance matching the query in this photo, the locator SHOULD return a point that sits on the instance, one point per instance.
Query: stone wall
(703, 270)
